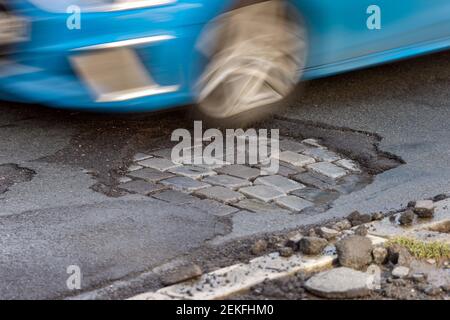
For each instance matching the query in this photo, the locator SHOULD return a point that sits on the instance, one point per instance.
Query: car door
(346, 29)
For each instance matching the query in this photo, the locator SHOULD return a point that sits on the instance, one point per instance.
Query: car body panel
(40, 70)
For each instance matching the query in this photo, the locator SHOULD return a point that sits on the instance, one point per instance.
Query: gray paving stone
(215, 208)
(317, 196)
(134, 167)
(184, 184)
(313, 143)
(310, 180)
(141, 187)
(349, 165)
(159, 164)
(240, 171)
(165, 153)
(193, 172)
(322, 154)
(280, 183)
(151, 175)
(293, 203)
(328, 170)
(288, 171)
(259, 206)
(295, 159)
(221, 194)
(291, 145)
(262, 192)
(141, 156)
(124, 179)
(340, 283)
(176, 197)
(227, 181)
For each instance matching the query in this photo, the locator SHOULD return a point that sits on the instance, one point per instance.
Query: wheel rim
(256, 55)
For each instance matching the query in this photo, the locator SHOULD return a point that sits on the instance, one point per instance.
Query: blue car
(226, 57)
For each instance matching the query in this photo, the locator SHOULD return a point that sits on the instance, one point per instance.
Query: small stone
(354, 252)
(406, 218)
(293, 241)
(446, 287)
(440, 197)
(184, 184)
(240, 171)
(380, 255)
(340, 283)
(141, 187)
(294, 159)
(424, 208)
(280, 183)
(361, 231)
(293, 203)
(411, 204)
(419, 277)
(227, 181)
(180, 273)
(312, 233)
(159, 164)
(220, 194)
(377, 216)
(312, 245)
(342, 225)
(328, 170)
(400, 272)
(431, 261)
(328, 233)
(259, 247)
(357, 218)
(431, 290)
(261, 192)
(399, 255)
(286, 252)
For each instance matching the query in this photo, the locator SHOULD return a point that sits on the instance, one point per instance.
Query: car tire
(256, 54)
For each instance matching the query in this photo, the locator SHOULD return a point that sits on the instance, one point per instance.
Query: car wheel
(256, 54)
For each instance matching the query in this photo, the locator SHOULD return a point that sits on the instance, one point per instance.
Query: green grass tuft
(424, 250)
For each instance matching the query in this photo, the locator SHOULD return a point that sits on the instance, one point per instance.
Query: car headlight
(61, 6)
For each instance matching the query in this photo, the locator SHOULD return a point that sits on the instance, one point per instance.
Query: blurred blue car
(226, 56)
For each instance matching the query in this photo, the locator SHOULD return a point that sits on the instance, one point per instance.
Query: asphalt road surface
(59, 205)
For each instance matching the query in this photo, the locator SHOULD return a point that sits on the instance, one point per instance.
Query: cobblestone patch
(310, 177)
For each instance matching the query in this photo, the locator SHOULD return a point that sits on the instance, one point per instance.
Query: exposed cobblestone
(151, 175)
(328, 170)
(295, 159)
(293, 203)
(158, 164)
(214, 207)
(259, 206)
(280, 183)
(227, 181)
(349, 165)
(184, 184)
(263, 193)
(192, 172)
(141, 156)
(221, 194)
(240, 171)
(176, 197)
(141, 187)
(291, 145)
(322, 154)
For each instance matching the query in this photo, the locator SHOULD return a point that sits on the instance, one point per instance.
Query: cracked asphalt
(60, 205)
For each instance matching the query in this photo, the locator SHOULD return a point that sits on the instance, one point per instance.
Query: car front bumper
(59, 66)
